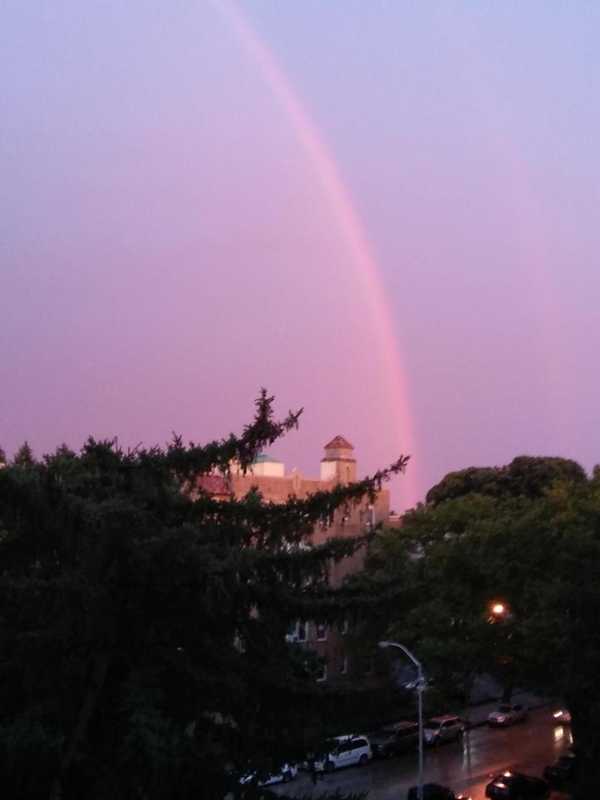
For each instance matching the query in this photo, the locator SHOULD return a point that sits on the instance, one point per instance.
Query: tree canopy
(142, 635)
(527, 535)
(525, 476)
(24, 456)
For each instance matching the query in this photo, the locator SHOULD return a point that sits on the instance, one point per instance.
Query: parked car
(287, 773)
(395, 739)
(443, 729)
(434, 791)
(507, 714)
(562, 771)
(516, 786)
(346, 751)
(562, 716)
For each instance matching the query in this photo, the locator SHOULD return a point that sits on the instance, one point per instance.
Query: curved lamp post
(419, 687)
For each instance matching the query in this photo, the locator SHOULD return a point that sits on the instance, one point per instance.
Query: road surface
(464, 767)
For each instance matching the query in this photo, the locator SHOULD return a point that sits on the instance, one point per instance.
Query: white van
(346, 752)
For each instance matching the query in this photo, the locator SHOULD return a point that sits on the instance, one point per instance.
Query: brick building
(337, 466)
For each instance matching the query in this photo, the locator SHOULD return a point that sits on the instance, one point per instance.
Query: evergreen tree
(24, 456)
(143, 649)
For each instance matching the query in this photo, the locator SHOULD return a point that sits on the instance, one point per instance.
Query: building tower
(339, 464)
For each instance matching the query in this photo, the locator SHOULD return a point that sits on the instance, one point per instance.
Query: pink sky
(169, 243)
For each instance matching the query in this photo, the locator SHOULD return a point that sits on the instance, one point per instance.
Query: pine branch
(188, 462)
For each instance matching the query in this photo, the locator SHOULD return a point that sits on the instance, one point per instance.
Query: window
(328, 522)
(322, 674)
(370, 516)
(345, 628)
(321, 632)
(344, 665)
(298, 632)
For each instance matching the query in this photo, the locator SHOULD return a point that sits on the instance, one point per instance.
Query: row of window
(300, 631)
(368, 668)
(343, 670)
(367, 518)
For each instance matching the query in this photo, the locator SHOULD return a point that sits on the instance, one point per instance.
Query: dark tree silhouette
(142, 635)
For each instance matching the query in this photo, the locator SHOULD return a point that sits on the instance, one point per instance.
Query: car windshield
(504, 709)
(433, 723)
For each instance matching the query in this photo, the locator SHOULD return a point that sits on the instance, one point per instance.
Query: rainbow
(350, 229)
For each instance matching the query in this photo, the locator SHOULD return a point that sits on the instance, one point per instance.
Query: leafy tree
(482, 480)
(24, 456)
(538, 551)
(525, 476)
(142, 634)
(2, 457)
(441, 606)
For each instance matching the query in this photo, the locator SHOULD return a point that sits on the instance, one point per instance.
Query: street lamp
(420, 687)
(499, 611)
(500, 615)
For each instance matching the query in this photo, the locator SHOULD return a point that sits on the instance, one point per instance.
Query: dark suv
(433, 791)
(516, 786)
(395, 739)
(562, 771)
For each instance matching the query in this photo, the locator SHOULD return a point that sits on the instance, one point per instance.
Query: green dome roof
(264, 458)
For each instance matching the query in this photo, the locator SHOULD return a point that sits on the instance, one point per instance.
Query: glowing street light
(498, 609)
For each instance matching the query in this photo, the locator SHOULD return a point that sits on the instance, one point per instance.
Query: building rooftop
(339, 443)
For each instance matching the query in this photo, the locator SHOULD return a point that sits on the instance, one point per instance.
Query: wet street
(464, 767)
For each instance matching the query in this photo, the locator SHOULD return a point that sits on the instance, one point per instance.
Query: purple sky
(167, 246)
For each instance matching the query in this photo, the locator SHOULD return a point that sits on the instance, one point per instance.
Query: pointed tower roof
(339, 443)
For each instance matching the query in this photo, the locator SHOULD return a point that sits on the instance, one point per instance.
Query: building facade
(338, 466)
